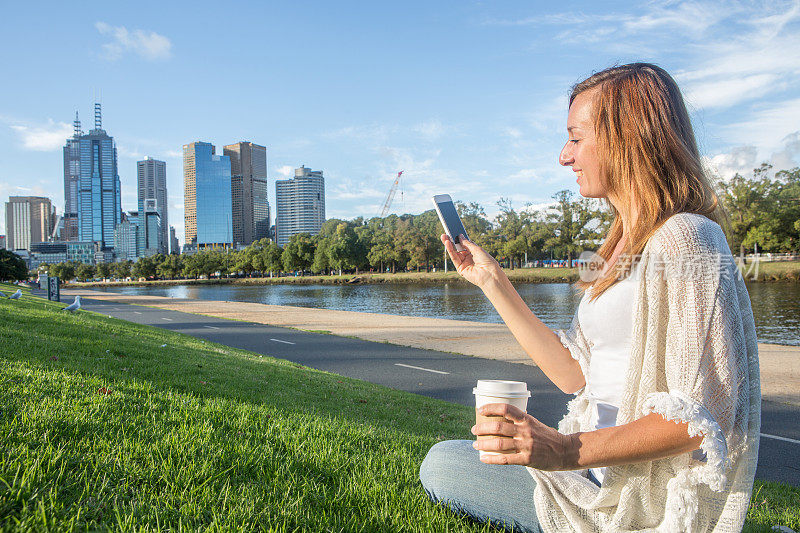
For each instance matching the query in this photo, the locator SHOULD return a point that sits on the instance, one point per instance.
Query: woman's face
(580, 152)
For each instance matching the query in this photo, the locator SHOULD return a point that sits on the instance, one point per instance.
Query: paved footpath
(410, 356)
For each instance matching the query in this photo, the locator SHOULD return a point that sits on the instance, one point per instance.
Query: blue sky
(467, 97)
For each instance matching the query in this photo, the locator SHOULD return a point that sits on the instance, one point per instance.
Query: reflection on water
(775, 305)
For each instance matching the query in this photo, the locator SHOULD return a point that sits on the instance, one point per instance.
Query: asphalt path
(441, 375)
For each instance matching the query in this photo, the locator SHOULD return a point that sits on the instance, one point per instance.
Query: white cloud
(146, 44)
(741, 160)
(767, 126)
(690, 18)
(787, 157)
(286, 171)
(132, 153)
(730, 90)
(44, 138)
(430, 130)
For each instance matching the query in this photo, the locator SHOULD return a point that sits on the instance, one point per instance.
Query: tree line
(389, 244)
(762, 211)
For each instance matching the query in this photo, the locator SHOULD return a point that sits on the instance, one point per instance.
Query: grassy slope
(103, 427)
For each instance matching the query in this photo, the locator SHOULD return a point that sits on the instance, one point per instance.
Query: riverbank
(522, 275)
(780, 371)
(779, 271)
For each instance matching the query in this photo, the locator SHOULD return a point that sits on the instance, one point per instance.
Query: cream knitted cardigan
(694, 358)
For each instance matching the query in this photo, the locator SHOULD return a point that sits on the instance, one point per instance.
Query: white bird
(74, 306)
(16, 295)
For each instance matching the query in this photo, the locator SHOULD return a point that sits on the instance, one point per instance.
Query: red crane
(390, 196)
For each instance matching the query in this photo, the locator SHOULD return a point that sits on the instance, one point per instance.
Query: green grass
(103, 427)
(775, 271)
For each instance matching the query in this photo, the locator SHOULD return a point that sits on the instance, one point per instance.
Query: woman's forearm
(646, 439)
(538, 340)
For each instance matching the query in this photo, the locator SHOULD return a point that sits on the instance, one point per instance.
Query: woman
(662, 354)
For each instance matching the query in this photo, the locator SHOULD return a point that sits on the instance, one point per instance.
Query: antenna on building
(76, 126)
(98, 116)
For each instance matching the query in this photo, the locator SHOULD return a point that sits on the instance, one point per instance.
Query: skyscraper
(248, 191)
(174, 247)
(125, 237)
(207, 195)
(300, 204)
(99, 208)
(152, 192)
(72, 176)
(29, 219)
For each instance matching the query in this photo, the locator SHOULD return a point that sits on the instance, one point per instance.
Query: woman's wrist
(497, 282)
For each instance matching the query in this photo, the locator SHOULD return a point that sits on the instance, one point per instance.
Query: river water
(776, 306)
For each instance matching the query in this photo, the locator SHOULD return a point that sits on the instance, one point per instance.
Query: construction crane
(390, 196)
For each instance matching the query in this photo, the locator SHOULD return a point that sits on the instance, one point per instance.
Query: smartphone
(450, 219)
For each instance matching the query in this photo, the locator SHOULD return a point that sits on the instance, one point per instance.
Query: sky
(466, 97)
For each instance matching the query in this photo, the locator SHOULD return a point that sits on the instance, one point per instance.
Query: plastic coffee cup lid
(498, 387)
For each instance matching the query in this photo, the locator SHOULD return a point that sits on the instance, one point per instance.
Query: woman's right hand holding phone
(474, 263)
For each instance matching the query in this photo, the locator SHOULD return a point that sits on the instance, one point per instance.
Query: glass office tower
(151, 177)
(208, 210)
(99, 205)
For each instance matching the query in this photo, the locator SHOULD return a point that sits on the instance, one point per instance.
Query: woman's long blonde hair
(647, 151)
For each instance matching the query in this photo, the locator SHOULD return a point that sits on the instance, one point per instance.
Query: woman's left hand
(525, 440)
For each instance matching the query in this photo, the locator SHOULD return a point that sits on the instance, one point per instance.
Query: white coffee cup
(515, 393)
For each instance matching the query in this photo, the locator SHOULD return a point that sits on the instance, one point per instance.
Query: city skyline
(468, 100)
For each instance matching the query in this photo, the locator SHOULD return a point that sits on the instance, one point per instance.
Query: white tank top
(607, 324)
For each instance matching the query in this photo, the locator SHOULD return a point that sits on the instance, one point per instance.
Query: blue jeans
(453, 474)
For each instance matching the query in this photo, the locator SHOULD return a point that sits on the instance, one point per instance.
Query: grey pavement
(441, 375)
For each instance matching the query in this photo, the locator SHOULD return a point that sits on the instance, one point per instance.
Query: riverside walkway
(426, 356)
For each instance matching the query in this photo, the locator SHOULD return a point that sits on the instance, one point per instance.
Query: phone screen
(452, 222)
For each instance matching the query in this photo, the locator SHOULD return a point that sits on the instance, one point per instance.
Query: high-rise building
(207, 196)
(72, 176)
(2, 242)
(248, 191)
(151, 177)
(99, 208)
(300, 204)
(174, 247)
(126, 237)
(29, 219)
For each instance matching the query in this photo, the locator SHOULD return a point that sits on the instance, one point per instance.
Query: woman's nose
(565, 157)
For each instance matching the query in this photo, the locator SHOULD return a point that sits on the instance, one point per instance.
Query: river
(776, 306)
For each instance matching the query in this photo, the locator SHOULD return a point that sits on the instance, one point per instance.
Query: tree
(474, 219)
(342, 248)
(299, 252)
(84, 271)
(272, 255)
(170, 267)
(104, 270)
(12, 266)
(122, 269)
(573, 224)
(144, 267)
(191, 266)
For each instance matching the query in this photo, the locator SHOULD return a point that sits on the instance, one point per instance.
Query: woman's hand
(532, 443)
(474, 264)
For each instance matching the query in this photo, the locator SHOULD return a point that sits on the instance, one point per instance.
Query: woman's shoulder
(689, 233)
